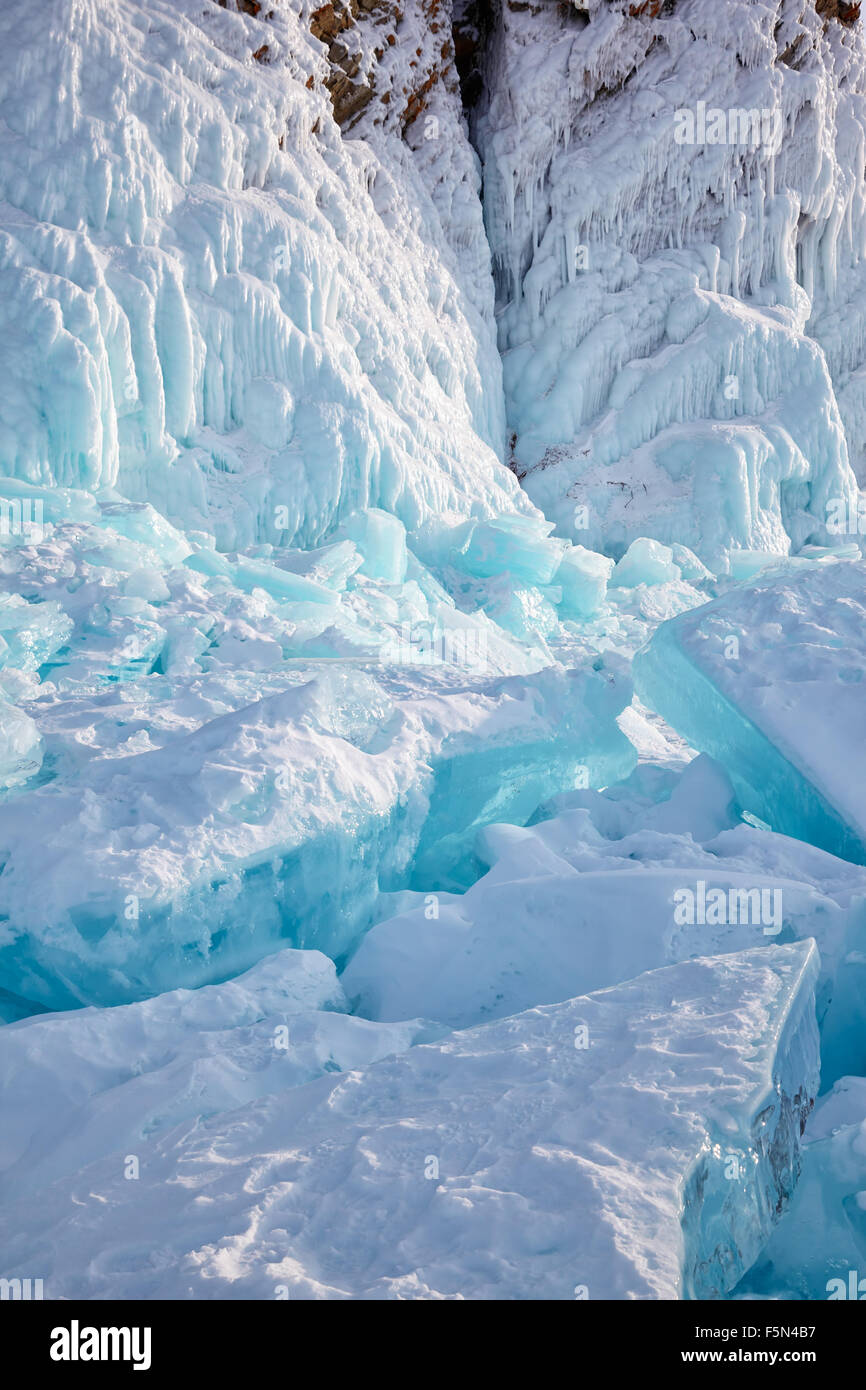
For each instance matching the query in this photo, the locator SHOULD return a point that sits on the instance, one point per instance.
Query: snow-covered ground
(431, 607)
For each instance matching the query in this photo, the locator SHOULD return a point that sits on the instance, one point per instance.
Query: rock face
(846, 13)
(379, 52)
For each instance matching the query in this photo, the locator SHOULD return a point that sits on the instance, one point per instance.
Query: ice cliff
(681, 297)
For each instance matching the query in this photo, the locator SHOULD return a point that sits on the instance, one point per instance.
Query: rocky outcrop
(384, 59)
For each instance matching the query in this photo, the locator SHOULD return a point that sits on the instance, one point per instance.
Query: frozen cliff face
(213, 302)
(674, 198)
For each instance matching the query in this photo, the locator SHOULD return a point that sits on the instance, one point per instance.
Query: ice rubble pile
(683, 373)
(662, 868)
(236, 753)
(472, 1167)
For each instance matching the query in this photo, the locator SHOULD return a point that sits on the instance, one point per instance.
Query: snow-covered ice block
(75, 1082)
(769, 679)
(580, 1150)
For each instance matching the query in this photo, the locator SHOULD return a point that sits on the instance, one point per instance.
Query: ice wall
(680, 301)
(214, 302)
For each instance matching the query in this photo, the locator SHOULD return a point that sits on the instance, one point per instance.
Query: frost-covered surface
(681, 315)
(76, 1081)
(590, 897)
(768, 679)
(234, 313)
(330, 1190)
(326, 799)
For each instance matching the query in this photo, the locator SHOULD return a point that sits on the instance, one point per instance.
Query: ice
(381, 540)
(518, 545)
(75, 1081)
(646, 562)
(509, 1161)
(280, 630)
(681, 319)
(819, 1252)
(606, 884)
(768, 679)
(583, 577)
(21, 748)
(361, 417)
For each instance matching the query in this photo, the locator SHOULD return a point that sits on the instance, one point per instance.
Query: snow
(431, 611)
(681, 320)
(606, 884)
(78, 1081)
(472, 1167)
(767, 679)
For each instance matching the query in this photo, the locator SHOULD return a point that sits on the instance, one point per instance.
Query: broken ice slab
(583, 578)
(645, 562)
(770, 680)
(614, 885)
(819, 1250)
(279, 823)
(518, 545)
(77, 1084)
(521, 548)
(636, 1143)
